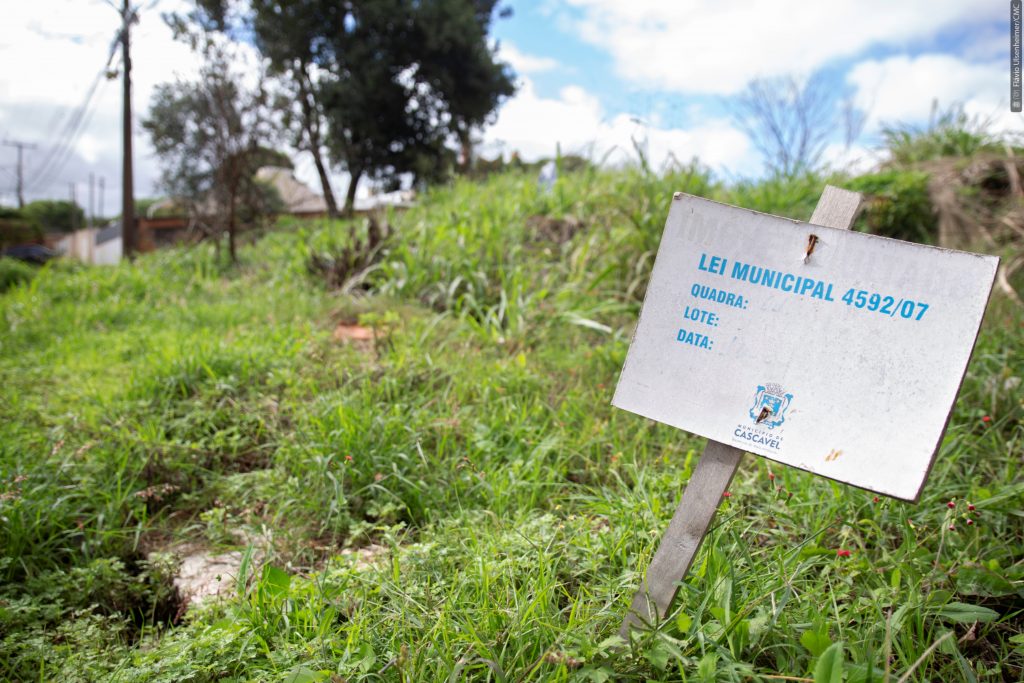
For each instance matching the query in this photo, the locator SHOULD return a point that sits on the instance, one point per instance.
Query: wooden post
(836, 209)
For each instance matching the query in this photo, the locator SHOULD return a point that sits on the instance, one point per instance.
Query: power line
(60, 153)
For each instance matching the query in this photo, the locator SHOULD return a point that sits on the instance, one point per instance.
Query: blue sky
(678, 67)
(594, 75)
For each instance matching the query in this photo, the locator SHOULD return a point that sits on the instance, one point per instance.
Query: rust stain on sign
(812, 241)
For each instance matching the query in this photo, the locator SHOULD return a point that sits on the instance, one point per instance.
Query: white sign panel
(845, 363)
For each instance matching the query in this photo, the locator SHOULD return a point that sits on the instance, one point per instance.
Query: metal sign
(833, 351)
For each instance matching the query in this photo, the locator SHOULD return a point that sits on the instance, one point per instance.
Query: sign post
(832, 351)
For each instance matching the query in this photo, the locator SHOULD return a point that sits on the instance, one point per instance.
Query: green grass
(175, 400)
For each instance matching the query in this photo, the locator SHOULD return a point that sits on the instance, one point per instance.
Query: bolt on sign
(833, 351)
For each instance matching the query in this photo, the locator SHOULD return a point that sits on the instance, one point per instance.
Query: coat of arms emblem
(770, 403)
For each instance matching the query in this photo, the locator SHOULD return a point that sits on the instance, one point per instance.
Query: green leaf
(707, 668)
(983, 582)
(899, 616)
(894, 578)
(864, 673)
(658, 656)
(367, 659)
(276, 581)
(303, 674)
(683, 622)
(962, 613)
(597, 674)
(829, 668)
(611, 642)
(816, 642)
(947, 643)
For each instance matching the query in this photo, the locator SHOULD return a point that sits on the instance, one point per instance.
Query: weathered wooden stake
(836, 209)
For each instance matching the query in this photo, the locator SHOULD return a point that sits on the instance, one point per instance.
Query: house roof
(111, 231)
(296, 195)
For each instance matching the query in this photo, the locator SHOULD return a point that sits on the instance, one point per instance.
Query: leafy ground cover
(173, 401)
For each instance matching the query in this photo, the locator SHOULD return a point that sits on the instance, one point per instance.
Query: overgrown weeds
(169, 401)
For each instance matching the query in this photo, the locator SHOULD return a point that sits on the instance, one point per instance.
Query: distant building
(98, 246)
(298, 198)
(104, 246)
(109, 245)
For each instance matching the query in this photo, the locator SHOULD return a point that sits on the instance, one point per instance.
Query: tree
(18, 227)
(55, 215)
(211, 137)
(459, 65)
(383, 85)
(285, 32)
(790, 120)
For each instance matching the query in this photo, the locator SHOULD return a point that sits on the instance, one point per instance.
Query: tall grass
(170, 404)
(950, 132)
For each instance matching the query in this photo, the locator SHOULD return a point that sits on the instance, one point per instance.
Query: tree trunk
(466, 143)
(311, 124)
(232, 253)
(325, 182)
(350, 194)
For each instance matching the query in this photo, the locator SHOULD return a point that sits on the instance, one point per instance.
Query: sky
(595, 77)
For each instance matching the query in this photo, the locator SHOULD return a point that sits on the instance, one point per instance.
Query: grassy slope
(170, 400)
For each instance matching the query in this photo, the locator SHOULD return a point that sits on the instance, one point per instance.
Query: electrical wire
(60, 153)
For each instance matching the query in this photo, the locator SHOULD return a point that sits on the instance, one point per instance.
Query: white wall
(108, 253)
(81, 245)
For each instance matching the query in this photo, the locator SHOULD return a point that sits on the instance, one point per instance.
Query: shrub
(55, 215)
(13, 273)
(897, 205)
(16, 227)
(949, 133)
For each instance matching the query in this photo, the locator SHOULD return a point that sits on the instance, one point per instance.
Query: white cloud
(50, 53)
(523, 63)
(855, 159)
(532, 126)
(717, 47)
(902, 89)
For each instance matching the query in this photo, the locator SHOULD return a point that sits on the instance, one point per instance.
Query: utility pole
(102, 192)
(74, 208)
(128, 236)
(20, 146)
(92, 199)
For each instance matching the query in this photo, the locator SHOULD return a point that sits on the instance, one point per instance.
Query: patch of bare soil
(557, 230)
(350, 332)
(203, 576)
(364, 558)
(981, 202)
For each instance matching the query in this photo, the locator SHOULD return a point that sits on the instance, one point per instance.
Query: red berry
(971, 508)
(771, 477)
(986, 419)
(875, 499)
(951, 505)
(726, 495)
(952, 528)
(970, 522)
(842, 553)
